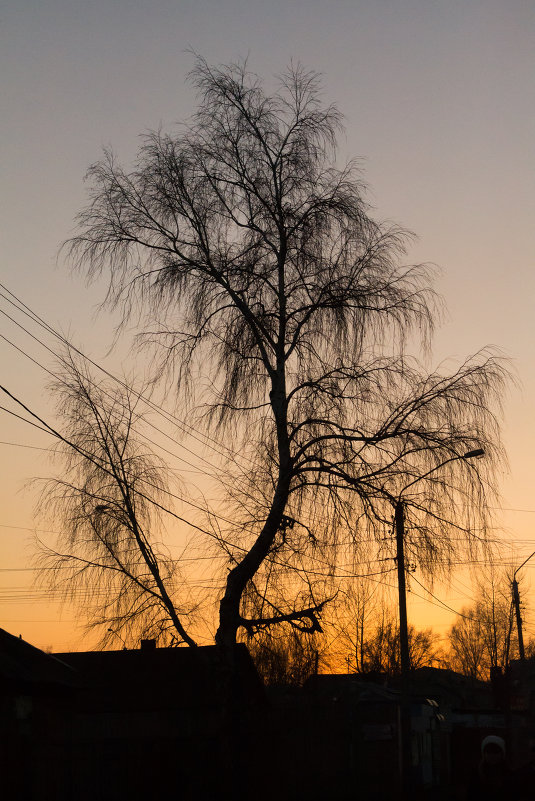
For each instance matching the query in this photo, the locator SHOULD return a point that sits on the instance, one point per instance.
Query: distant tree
(284, 310)
(286, 657)
(529, 648)
(380, 651)
(467, 652)
(367, 639)
(483, 638)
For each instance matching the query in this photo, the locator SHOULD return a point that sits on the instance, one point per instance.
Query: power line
(23, 308)
(159, 430)
(167, 416)
(48, 429)
(56, 620)
(51, 431)
(443, 603)
(511, 509)
(24, 420)
(21, 445)
(186, 427)
(464, 589)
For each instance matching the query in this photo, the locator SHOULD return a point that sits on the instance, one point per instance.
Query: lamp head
(474, 454)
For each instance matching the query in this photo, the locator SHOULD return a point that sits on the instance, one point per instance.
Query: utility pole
(405, 711)
(516, 601)
(400, 559)
(405, 714)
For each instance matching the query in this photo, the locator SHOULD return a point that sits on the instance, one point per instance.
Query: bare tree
(285, 657)
(368, 635)
(483, 638)
(253, 258)
(381, 649)
(107, 506)
(467, 652)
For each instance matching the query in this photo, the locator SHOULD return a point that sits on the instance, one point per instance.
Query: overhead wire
(22, 307)
(152, 442)
(167, 415)
(53, 432)
(438, 600)
(201, 437)
(23, 445)
(49, 429)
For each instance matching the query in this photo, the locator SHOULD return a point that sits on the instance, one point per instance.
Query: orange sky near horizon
(438, 104)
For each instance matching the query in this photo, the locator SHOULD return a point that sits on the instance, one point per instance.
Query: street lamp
(399, 524)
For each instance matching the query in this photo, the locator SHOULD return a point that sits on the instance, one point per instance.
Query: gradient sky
(439, 107)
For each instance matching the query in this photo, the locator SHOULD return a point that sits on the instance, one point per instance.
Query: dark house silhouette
(178, 723)
(36, 692)
(136, 724)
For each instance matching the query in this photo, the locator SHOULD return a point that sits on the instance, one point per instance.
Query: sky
(439, 111)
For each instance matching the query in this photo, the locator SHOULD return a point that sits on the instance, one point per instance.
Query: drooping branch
(102, 508)
(283, 310)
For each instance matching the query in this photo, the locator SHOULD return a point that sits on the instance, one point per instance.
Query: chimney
(148, 645)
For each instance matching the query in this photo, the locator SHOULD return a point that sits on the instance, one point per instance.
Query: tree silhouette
(283, 311)
(107, 503)
(368, 641)
(289, 658)
(483, 639)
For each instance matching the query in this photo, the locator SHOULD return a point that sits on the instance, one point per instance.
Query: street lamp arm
(522, 565)
(469, 455)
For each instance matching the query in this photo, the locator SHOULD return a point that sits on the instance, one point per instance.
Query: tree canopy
(280, 308)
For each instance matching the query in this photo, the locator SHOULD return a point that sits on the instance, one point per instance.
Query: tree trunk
(229, 607)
